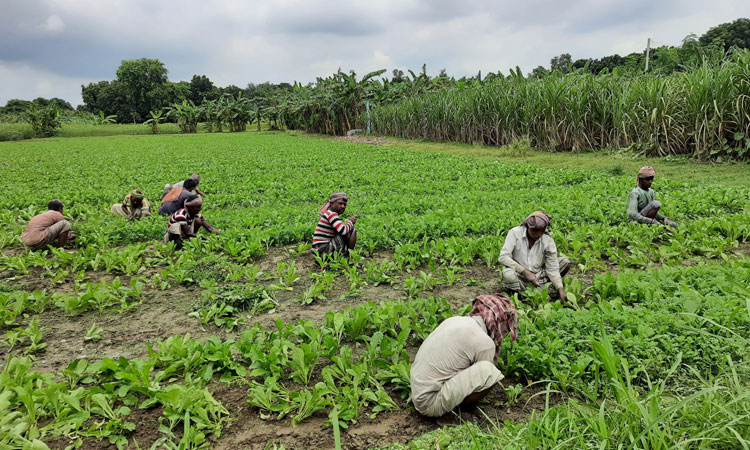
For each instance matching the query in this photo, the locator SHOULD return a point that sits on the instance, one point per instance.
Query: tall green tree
(727, 35)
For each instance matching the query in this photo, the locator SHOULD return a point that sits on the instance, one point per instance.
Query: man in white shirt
(530, 257)
(455, 365)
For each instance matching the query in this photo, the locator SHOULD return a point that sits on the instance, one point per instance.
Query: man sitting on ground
(530, 257)
(185, 223)
(179, 184)
(455, 365)
(175, 199)
(134, 206)
(642, 207)
(49, 227)
(333, 234)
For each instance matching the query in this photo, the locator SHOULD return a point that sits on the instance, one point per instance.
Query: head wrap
(645, 172)
(499, 315)
(332, 198)
(538, 220)
(196, 201)
(135, 194)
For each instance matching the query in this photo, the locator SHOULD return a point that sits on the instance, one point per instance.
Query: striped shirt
(183, 216)
(329, 225)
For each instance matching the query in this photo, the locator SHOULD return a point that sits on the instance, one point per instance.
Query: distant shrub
(45, 121)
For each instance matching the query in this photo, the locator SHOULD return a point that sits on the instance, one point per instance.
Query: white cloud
(53, 25)
(242, 41)
(23, 81)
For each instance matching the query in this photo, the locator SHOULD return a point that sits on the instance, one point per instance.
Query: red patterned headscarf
(499, 315)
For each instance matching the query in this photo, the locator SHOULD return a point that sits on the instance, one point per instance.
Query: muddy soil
(165, 313)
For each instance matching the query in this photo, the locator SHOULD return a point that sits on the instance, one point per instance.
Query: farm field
(243, 341)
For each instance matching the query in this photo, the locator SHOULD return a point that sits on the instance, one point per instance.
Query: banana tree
(186, 115)
(154, 120)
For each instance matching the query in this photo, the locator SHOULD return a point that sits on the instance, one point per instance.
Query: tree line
(141, 91)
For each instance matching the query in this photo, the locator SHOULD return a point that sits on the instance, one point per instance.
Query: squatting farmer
(134, 206)
(529, 255)
(168, 187)
(642, 207)
(48, 228)
(175, 199)
(332, 234)
(455, 367)
(185, 223)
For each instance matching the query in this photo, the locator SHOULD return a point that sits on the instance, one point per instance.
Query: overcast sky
(49, 48)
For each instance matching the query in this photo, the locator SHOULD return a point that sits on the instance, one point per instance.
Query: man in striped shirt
(185, 223)
(332, 234)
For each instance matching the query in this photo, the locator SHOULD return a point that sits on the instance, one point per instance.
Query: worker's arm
(633, 213)
(552, 265)
(506, 254)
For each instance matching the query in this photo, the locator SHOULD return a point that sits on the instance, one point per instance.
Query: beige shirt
(455, 345)
(36, 230)
(517, 255)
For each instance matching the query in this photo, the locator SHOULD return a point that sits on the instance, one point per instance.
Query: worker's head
(499, 315)
(338, 202)
(197, 178)
(536, 224)
(136, 197)
(194, 203)
(55, 205)
(646, 177)
(190, 184)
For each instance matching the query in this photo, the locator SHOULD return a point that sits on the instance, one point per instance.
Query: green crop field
(244, 341)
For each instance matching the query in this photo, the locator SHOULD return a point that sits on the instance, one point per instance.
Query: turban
(197, 201)
(499, 315)
(135, 194)
(337, 195)
(538, 220)
(332, 198)
(645, 172)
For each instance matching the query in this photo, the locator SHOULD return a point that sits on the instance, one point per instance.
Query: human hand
(563, 295)
(354, 218)
(216, 231)
(671, 223)
(530, 277)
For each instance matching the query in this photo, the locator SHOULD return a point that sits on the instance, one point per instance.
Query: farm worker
(175, 199)
(455, 365)
(49, 227)
(332, 234)
(134, 206)
(642, 207)
(179, 184)
(185, 223)
(529, 255)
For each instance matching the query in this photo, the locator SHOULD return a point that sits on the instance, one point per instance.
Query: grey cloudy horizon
(49, 48)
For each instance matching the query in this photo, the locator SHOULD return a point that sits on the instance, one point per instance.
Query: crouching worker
(642, 207)
(529, 255)
(134, 206)
(455, 366)
(175, 198)
(48, 228)
(186, 222)
(332, 234)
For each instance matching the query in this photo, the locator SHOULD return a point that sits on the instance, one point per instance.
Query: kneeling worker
(530, 257)
(185, 223)
(49, 227)
(642, 207)
(133, 206)
(455, 365)
(333, 234)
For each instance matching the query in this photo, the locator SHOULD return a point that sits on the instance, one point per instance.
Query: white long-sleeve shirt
(517, 255)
